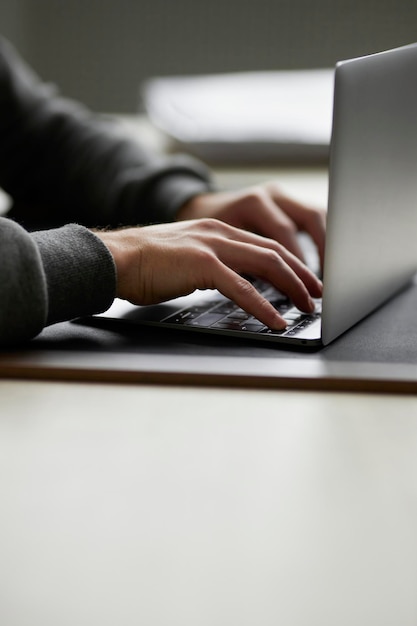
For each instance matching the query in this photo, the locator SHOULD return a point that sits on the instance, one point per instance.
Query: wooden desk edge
(291, 374)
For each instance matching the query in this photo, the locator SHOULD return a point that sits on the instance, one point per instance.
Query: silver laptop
(371, 243)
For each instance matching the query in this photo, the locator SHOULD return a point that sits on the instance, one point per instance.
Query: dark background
(99, 51)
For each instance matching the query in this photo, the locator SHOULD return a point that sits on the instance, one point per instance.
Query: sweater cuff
(172, 192)
(80, 272)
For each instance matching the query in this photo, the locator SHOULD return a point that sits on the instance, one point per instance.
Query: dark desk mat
(378, 354)
(387, 336)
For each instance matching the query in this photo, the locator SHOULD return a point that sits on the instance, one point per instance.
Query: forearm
(56, 154)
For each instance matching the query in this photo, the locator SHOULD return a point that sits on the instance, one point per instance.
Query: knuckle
(264, 307)
(274, 188)
(273, 257)
(209, 224)
(316, 216)
(244, 287)
(205, 257)
(256, 197)
(289, 226)
(213, 231)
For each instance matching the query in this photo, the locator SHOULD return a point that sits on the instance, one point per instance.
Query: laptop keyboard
(224, 314)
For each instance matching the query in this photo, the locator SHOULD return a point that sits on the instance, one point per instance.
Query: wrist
(119, 244)
(194, 208)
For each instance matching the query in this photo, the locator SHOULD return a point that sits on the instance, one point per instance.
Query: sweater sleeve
(50, 276)
(67, 170)
(60, 163)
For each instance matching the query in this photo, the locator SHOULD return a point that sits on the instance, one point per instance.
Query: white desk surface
(199, 506)
(192, 506)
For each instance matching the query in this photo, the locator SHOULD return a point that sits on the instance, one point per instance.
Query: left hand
(264, 210)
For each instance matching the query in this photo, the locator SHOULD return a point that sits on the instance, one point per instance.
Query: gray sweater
(67, 171)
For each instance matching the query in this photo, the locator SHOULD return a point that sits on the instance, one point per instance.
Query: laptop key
(271, 331)
(293, 314)
(253, 328)
(227, 324)
(226, 308)
(238, 315)
(205, 320)
(181, 317)
(282, 306)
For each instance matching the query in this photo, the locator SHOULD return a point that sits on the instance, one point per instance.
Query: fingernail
(279, 324)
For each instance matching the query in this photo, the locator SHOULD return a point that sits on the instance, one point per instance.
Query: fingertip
(278, 323)
(318, 293)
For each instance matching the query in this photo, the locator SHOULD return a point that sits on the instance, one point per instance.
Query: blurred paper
(246, 116)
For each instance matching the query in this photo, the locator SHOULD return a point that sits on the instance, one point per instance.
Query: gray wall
(100, 50)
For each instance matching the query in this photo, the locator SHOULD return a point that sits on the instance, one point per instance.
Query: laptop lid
(371, 248)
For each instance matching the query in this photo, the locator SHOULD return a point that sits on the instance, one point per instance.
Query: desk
(127, 505)
(166, 505)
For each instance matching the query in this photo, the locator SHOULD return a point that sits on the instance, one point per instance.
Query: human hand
(264, 210)
(157, 263)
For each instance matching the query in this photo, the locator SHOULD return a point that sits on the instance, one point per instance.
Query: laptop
(371, 242)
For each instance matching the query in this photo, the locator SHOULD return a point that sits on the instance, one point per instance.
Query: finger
(244, 294)
(279, 227)
(265, 265)
(264, 217)
(309, 278)
(311, 220)
(270, 266)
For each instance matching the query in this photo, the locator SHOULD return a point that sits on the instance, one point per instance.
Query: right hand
(157, 263)
(265, 210)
